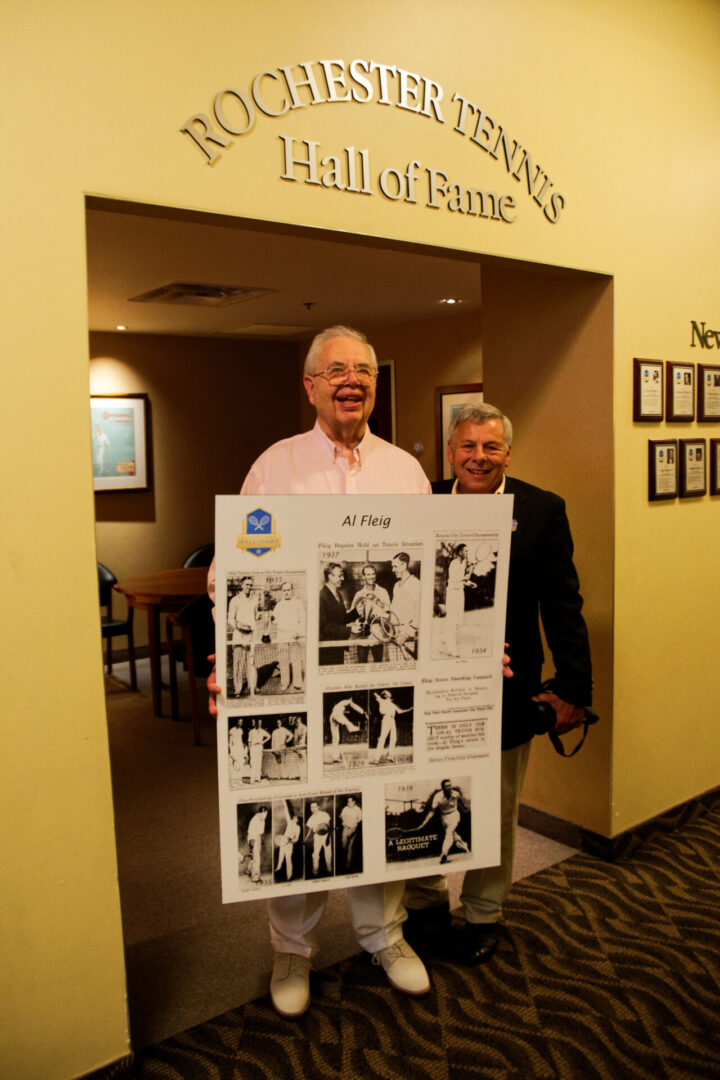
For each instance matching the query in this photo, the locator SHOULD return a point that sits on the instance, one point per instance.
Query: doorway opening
(223, 381)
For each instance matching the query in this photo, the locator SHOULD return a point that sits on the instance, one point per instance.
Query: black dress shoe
(481, 941)
(421, 921)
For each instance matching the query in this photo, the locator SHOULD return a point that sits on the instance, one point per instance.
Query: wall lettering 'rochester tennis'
(275, 93)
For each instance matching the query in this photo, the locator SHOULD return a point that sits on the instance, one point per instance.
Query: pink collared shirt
(311, 464)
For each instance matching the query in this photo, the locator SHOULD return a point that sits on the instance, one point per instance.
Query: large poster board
(359, 647)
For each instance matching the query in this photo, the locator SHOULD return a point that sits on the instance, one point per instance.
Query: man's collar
(499, 491)
(332, 450)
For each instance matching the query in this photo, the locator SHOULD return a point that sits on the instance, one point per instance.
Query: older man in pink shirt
(341, 456)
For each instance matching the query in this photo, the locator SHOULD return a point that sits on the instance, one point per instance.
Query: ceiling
(307, 278)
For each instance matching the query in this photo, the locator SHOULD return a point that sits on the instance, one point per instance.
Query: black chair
(112, 627)
(197, 627)
(201, 556)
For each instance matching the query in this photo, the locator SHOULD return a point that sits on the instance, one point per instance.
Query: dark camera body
(541, 717)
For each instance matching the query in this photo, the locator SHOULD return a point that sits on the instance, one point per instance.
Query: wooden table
(163, 591)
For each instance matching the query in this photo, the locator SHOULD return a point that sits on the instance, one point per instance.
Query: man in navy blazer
(543, 584)
(334, 616)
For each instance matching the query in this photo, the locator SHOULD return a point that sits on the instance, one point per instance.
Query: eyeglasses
(337, 373)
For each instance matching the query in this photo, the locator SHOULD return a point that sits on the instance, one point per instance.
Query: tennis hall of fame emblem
(259, 536)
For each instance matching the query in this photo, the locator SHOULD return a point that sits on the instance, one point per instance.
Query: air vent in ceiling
(200, 294)
(256, 330)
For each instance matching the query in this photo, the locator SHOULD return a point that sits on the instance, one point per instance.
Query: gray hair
(321, 339)
(479, 413)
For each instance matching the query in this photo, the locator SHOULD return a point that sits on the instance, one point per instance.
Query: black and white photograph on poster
(255, 852)
(319, 836)
(429, 821)
(333, 835)
(266, 636)
(350, 851)
(345, 730)
(364, 729)
(287, 825)
(369, 606)
(302, 838)
(390, 736)
(464, 597)
(266, 749)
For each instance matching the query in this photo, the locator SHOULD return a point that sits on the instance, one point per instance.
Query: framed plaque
(119, 429)
(647, 390)
(714, 452)
(662, 469)
(693, 468)
(680, 392)
(708, 405)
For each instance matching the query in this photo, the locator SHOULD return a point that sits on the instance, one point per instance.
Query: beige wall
(548, 364)
(429, 353)
(205, 436)
(618, 101)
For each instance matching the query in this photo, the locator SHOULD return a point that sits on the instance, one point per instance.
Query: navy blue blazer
(333, 620)
(543, 584)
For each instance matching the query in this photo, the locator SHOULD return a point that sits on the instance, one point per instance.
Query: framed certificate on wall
(662, 469)
(708, 406)
(714, 452)
(647, 390)
(680, 392)
(693, 468)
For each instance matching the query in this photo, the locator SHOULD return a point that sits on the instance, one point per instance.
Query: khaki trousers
(484, 891)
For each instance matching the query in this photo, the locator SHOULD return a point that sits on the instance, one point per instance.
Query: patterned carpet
(605, 970)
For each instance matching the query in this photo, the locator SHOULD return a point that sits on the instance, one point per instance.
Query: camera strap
(590, 718)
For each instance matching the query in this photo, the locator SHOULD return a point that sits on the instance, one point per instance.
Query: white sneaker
(404, 968)
(290, 984)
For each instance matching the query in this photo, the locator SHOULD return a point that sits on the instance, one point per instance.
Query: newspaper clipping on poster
(359, 646)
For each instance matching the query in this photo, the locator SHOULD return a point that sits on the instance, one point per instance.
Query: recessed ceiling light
(449, 300)
(121, 327)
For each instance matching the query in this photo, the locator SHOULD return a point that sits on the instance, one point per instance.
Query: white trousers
(377, 916)
(388, 730)
(484, 891)
(450, 822)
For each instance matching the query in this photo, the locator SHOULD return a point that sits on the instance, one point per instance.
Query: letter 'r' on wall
(199, 129)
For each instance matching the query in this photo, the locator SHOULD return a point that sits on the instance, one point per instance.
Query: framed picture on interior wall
(119, 431)
(662, 469)
(714, 453)
(648, 390)
(382, 418)
(708, 403)
(693, 468)
(449, 401)
(680, 392)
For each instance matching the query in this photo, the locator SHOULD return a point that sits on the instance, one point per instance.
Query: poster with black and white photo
(359, 645)
(429, 822)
